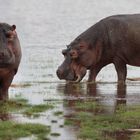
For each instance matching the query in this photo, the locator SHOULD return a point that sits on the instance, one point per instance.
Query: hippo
(10, 56)
(114, 39)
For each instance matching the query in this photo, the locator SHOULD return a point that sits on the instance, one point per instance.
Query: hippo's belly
(135, 61)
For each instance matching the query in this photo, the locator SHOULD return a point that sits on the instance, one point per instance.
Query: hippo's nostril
(73, 54)
(1, 55)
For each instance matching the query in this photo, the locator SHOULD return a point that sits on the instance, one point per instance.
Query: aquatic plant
(34, 110)
(104, 126)
(58, 113)
(12, 130)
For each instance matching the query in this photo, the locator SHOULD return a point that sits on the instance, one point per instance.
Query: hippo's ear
(13, 27)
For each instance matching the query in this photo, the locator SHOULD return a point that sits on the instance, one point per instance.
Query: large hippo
(10, 55)
(115, 39)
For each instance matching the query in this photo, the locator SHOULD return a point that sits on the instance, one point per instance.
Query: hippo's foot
(3, 97)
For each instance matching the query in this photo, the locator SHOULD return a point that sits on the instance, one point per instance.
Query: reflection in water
(93, 93)
(5, 117)
(121, 94)
(76, 92)
(92, 89)
(72, 89)
(3, 96)
(4, 112)
(121, 100)
(122, 136)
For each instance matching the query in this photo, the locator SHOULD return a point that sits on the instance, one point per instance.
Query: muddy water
(44, 28)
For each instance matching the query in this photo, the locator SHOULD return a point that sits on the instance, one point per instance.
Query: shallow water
(44, 29)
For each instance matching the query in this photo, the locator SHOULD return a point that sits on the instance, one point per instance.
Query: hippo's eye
(81, 46)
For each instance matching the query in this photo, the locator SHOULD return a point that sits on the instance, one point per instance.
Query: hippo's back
(123, 32)
(129, 24)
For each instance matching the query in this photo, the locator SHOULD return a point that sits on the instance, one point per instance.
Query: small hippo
(115, 39)
(10, 56)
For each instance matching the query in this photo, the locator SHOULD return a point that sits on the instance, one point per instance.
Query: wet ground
(44, 29)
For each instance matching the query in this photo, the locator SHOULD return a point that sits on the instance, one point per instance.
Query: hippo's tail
(134, 79)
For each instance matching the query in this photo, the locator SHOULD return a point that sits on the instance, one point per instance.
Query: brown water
(44, 28)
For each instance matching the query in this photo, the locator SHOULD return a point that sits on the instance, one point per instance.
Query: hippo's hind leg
(4, 85)
(121, 71)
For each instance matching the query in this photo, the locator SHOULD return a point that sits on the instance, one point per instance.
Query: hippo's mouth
(79, 73)
(77, 79)
(72, 72)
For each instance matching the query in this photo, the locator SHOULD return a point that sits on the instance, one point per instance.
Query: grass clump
(61, 126)
(54, 121)
(22, 106)
(55, 134)
(13, 105)
(58, 113)
(12, 130)
(34, 110)
(69, 122)
(88, 106)
(136, 136)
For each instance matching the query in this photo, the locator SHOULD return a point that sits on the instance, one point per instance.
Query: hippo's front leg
(5, 84)
(93, 73)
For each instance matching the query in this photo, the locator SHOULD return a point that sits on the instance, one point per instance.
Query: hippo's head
(80, 55)
(70, 70)
(7, 32)
(7, 37)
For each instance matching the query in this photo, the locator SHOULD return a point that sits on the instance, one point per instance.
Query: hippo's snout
(59, 73)
(2, 54)
(64, 73)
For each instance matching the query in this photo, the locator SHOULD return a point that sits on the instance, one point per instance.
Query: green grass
(54, 121)
(22, 106)
(58, 113)
(55, 134)
(136, 136)
(34, 110)
(69, 122)
(96, 126)
(88, 106)
(12, 130)
(61, 126)
(13, 105)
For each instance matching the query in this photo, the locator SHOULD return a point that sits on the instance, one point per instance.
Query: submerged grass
(88, 106)
(35, 109)
(12, 130)
(55, 134)
(136, 136)
(94, 126)
(58, 113)
(13, 105)
(22, 106)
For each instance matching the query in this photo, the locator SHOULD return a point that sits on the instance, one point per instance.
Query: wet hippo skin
(115, 39)
(10, 55)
